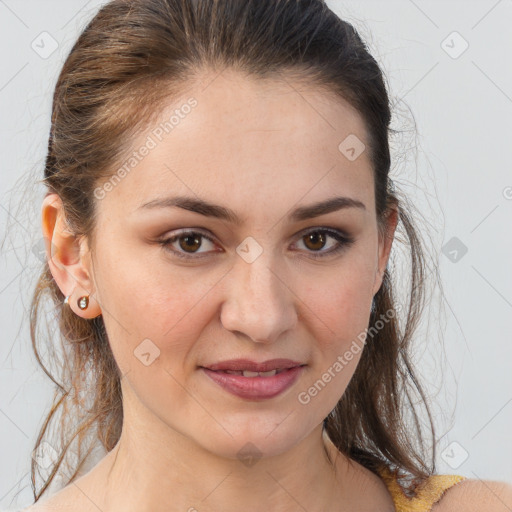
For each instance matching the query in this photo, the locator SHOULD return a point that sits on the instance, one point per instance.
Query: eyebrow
(221, 212)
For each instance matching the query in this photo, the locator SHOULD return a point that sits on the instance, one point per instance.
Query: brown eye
(189, 243)
(316, 240)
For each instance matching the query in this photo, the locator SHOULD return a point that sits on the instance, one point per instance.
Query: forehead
(271, 140)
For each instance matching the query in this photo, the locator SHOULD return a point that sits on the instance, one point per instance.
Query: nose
(259, 303)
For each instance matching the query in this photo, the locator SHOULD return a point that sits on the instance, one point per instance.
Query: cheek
(340, 333)
(341, 303)
(139, 303)
(337, 318)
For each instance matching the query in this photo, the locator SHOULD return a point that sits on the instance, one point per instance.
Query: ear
(385, 242)
(68, 257)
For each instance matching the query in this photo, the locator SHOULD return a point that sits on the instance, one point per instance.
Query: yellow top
(429, 494)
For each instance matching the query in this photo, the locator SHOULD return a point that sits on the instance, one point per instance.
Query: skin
(261, 149)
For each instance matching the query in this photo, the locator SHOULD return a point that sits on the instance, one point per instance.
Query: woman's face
(273, 285)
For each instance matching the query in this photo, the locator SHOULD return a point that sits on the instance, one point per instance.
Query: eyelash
(343, 242)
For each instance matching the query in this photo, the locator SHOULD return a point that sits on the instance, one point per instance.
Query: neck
(146, 472)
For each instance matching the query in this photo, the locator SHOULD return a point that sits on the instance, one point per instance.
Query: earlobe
(64, 254)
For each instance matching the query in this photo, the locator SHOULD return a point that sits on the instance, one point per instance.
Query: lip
(253, 366)
(255, 388)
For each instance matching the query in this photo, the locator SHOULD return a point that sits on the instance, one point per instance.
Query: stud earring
(83, 302)
(66, 300)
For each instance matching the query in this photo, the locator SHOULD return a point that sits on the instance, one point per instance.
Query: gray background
(454, 165)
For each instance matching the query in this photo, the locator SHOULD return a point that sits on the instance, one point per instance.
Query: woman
(218, 225)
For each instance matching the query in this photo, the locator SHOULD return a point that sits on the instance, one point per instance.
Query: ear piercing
(82, 302)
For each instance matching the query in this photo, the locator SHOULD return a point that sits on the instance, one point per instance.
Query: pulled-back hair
(131, 58)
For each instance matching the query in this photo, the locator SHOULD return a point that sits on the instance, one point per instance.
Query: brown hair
(132, 56)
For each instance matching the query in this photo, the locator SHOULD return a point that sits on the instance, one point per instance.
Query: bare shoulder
(476, 496)
(43, 507)
(63, 500)
(38, 507)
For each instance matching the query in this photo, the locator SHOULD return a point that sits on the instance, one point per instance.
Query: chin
(254, 439)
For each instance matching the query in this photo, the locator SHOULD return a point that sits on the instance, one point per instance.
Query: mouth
(255, 385)
(249, 373)
(249, 368)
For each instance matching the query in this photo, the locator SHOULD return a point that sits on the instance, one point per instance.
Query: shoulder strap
(429, 494)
